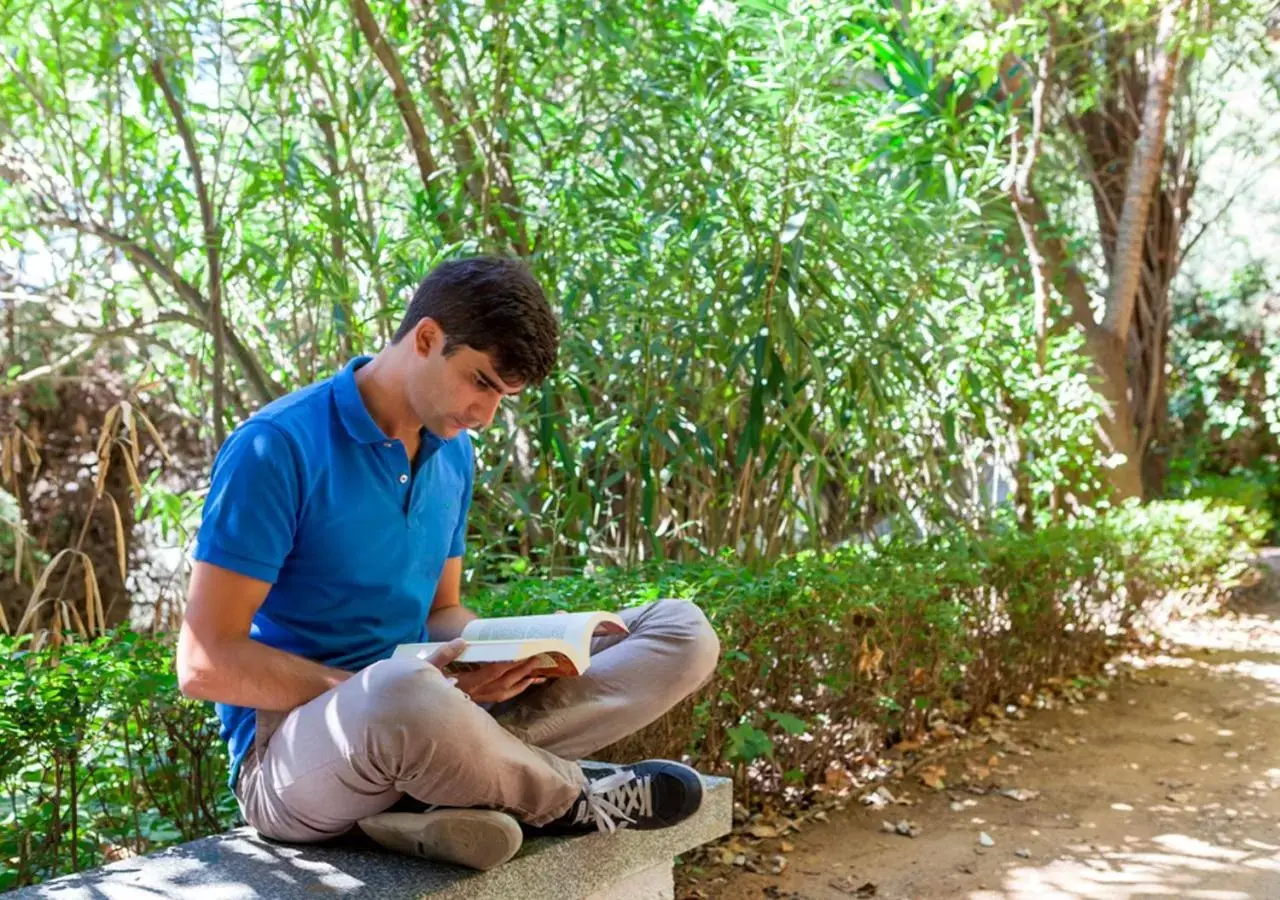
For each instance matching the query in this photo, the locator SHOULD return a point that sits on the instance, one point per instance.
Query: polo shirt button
(404, 478)
(386, 443)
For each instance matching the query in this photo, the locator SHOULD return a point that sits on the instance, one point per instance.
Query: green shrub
(101, 756)
(826, 656)
(1257, 489)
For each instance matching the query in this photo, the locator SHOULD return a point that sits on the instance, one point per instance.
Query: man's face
(455, 392)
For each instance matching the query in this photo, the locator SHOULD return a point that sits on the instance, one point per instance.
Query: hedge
(827, 656)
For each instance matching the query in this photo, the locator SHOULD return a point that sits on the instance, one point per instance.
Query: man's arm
(448, 616)
(218, 661)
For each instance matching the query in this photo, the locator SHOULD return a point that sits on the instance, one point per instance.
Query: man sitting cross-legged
(333, 532)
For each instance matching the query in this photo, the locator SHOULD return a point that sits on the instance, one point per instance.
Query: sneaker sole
(476, 838)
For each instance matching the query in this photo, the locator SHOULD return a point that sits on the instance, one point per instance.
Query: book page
(573, 627)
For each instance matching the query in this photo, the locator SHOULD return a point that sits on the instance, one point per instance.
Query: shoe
(475, 838)
(656, 793)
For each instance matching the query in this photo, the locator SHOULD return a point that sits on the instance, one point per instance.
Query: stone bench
(239, 865)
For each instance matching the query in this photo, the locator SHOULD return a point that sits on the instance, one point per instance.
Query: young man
(332, 532)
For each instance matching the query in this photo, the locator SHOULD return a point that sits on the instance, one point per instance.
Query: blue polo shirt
(311, 496)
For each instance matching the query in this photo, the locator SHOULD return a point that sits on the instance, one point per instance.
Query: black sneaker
(656, 793)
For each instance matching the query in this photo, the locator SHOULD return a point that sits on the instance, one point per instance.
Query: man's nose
(488, 410)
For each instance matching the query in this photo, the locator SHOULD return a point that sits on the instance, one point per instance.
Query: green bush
(827, 654)
(825, 657)
(1257, 489)
(101, 756)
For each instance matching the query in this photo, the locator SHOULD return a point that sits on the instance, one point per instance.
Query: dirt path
(1168, 787)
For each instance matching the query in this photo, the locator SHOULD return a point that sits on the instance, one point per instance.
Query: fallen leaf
(1185, 739)
(760, 830)
(836, 777)
(932, 776)
(117, 852)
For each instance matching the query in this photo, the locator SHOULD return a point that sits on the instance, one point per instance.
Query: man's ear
(428, 336)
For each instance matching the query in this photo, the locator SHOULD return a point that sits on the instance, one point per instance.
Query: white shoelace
(619, 797)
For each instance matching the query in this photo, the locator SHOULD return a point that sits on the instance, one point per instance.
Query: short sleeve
(458, 545)
(251, 512)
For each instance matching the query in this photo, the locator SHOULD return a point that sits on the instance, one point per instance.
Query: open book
(562, 643)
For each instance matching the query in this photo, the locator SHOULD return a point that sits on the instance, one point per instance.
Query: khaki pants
(399, 727)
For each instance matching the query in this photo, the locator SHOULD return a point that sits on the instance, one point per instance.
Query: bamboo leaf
(35, 601)
(89, 584)
(155, 436)
(120, 541)
(19, 550)
(126, 412)
(133, 474)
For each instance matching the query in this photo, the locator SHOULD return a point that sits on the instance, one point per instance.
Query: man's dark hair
(494, 305)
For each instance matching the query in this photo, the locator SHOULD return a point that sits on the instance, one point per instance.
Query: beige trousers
(400, 728)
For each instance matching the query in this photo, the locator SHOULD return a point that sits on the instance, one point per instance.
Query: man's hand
(490, 683)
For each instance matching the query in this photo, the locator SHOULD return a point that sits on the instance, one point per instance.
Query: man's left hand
(495, 682)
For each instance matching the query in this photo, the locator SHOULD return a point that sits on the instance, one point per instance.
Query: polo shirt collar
(351, 409)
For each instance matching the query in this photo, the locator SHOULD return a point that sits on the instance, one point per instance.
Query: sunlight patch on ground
(1172, 865)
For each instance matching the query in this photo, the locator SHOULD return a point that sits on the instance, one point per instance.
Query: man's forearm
(447, 622)
(245, 672)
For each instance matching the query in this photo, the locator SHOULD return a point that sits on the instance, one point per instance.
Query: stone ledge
(239, 865)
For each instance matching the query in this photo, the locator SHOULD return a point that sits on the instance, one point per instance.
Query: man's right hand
(491, 683)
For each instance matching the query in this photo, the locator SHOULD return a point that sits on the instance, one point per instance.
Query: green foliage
(826, 653)
(1225, 397)
(777, 239)
(100, 756)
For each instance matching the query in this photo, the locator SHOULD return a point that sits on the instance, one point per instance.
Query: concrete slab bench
(240, 865)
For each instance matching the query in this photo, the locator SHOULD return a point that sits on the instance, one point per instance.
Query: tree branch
(464, 151)
(1021, 195)
(212, 246)
(1144, 170)
(427, 168)
(264, 388)
(479, 173)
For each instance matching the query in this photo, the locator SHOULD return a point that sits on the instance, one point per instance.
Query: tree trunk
(1128, 346)
(1111, 381)
(1126, 149)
